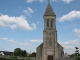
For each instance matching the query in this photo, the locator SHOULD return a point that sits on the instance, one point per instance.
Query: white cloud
(28, 42)
(41, 1)
(69, 46)
(13, 26)
(29, 1)
(36, 41)
(16, 42)
(55, 0)
(72, 42)
(70, 16)
(15, 22)
(37, 22)
(4, 38)
(28, 11)
(77, 32)
(34, 25)
(67, 1)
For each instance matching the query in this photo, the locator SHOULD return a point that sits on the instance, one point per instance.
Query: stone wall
(39, 52)
(65, 59)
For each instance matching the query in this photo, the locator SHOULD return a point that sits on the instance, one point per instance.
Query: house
(5, 53)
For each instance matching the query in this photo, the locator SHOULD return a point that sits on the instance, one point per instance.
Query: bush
(13, 57)
(28, 58)
(78, 58)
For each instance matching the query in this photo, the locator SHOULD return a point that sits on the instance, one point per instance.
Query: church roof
(40, 46)
(49, 11)
(59, 45)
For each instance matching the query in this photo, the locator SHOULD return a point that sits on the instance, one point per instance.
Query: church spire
(49, 11)
(48, 1)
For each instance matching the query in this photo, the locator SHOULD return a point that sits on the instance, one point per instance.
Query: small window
(48, 23)
(51, 22)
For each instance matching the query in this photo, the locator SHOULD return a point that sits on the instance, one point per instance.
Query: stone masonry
(50, 49)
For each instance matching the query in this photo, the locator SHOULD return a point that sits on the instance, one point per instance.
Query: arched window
(47, 22)
(50, 42)
(51, 22)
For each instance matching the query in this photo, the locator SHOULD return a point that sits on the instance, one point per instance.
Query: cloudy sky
(21, 24)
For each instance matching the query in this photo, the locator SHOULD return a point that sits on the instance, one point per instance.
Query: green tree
(72, 55)
(77, 51)
(17, 52)
(30, 55)
(23, 53)
(34, 54)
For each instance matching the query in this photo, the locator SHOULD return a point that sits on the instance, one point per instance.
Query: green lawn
(11, 58)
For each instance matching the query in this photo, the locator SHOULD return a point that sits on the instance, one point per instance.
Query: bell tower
(49, 33)
(49, 17)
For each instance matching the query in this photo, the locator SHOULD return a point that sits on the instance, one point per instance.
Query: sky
(22, 24)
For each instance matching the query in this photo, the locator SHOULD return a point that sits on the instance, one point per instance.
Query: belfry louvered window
(51, 22)
(47, 22)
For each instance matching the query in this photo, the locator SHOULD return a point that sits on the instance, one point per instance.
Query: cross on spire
(48, 1)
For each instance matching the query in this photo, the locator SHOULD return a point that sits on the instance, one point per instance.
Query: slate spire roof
(49, 11)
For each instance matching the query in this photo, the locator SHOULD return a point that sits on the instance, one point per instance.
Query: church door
(50, 57)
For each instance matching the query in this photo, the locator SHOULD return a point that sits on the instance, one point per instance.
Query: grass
(10, 59)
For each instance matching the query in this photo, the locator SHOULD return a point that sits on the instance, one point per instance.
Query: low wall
(65, 59)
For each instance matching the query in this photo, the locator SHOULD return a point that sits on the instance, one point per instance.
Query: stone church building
(50, 49)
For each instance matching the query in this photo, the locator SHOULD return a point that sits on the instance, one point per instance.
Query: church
(50, 49)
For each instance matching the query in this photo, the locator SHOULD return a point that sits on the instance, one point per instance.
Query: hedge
(10, 59)
(78, 58)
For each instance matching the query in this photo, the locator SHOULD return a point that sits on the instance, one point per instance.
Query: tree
(17, 52)
(77, 51)
(23, 53)
(72, 55)
(34, 54)
(30, 55)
